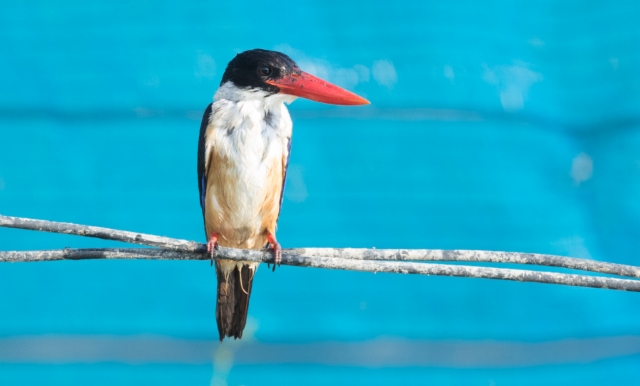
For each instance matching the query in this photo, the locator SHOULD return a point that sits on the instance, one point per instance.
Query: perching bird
(243, 153)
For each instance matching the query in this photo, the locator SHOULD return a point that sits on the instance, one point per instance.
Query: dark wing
(284, 174)
(202, 173)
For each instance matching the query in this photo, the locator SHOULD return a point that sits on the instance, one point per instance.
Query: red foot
(212, 245)
(277, 251)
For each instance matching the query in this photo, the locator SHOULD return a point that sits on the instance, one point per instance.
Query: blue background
(495, 125)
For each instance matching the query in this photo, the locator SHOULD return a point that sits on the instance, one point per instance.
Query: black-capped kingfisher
(243, 153)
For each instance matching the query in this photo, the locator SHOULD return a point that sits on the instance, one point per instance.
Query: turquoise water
(495, 125)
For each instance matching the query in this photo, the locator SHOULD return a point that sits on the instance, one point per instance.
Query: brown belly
(240, 206)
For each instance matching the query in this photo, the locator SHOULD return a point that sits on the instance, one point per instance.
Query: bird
(243, 154)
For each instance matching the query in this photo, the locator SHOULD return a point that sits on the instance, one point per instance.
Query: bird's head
(275, 73)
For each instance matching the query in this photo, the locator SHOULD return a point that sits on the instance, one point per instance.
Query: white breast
(250, 132)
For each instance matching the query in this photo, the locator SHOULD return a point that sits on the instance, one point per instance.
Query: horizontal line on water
(69, 349)
(363, 113)
(411, 114)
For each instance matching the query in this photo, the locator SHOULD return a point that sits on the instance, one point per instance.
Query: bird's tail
(235, 280)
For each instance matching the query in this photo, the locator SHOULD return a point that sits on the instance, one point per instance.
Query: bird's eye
(264, 71)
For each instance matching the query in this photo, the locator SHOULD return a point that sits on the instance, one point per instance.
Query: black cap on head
(275, 73)
(251, 69)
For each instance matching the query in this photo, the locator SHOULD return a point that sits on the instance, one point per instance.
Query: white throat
(248, 125)
(229, 91)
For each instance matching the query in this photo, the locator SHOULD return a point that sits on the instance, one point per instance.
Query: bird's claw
(277, 256)
(274, 245)
(212, 247)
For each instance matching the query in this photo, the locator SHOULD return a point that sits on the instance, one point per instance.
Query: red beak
(308, 86)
